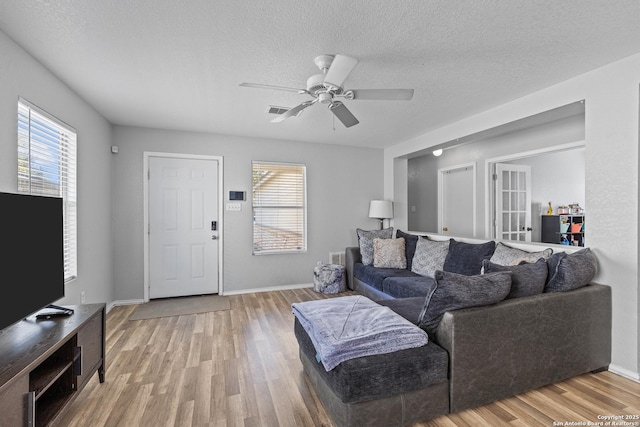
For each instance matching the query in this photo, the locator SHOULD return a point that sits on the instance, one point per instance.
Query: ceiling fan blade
(292, 112)
(381, 94)
(340, 68)
(343, 114)
(261, 86)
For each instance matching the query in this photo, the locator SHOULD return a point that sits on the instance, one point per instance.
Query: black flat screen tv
(32, 263)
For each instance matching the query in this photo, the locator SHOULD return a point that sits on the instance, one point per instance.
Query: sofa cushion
(374, 276)
(365, 241)
(407, 287)
(466, 258)
(409, 308)
(570, 271)
(382, 375)
(526, 278)
(508, 255)
(410, 245)
(389, 253)
(430, 256)
(455, 291)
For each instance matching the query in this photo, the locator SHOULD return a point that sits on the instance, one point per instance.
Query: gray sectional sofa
(475, 355)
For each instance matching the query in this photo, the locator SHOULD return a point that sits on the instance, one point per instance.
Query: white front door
(513, 202)
(456, 213)
(183, 227)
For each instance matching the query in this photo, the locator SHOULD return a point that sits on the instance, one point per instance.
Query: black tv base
(59, 312)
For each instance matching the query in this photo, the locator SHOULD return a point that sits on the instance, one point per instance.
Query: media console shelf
(45, 363)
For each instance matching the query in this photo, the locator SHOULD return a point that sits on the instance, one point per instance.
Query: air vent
(272, 109)
(336, 258)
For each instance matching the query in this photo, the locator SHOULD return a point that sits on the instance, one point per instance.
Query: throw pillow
(455, 291)
(526, 278)
(466, 258)
(365, 241)
(429, 256)
(410, 245)
(570, 271)
(508, 255)
(389, 253)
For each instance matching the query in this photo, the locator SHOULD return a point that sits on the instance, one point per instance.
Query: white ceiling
(177, 64)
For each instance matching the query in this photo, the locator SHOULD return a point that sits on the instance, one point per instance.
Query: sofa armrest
(524, 343)
(351, 257)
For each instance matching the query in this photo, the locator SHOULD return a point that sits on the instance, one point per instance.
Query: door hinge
(495, 176)
(148, 173)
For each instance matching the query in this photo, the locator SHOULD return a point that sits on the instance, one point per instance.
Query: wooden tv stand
(45, 363)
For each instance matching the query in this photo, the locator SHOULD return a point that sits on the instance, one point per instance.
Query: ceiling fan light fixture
(325, 98)
(315, 83)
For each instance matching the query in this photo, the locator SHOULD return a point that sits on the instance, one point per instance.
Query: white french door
(183, 226)
(513, 202)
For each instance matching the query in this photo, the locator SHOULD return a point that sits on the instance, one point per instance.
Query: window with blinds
(279, 208)
(47, 166)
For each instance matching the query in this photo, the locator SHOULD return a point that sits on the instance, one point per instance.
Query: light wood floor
(240, 367)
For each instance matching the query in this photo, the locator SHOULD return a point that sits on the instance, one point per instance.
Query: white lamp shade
(381, 209)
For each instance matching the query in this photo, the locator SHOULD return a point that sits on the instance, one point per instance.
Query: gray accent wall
(340, 183)
(23, 76)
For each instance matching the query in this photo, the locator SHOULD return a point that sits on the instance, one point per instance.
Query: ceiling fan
(326, 87)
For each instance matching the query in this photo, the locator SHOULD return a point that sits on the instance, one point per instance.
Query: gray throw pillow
(466, 258)
(526, 278)
(365, 241)
(570, 271)
(455, 291)
(507, 255)
(429, 256)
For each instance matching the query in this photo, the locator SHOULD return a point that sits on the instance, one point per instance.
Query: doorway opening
(557, 176)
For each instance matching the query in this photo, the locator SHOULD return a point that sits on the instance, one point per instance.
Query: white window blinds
(47, 166)
(279, 208)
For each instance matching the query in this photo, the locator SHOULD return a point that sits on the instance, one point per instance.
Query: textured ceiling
(176, 64)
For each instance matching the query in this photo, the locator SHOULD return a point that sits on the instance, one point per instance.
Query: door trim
(145, 195)
(441, 173)
(489, 214)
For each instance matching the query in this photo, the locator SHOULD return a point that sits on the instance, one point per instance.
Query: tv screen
(33, 255)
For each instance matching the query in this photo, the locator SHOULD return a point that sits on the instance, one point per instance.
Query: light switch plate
(234, 207)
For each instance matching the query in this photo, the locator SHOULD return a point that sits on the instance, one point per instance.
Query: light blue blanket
(348, 327)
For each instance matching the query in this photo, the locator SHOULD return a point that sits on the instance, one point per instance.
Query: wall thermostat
(236, 195)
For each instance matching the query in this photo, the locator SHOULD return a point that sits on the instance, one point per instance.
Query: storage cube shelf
(563, 229)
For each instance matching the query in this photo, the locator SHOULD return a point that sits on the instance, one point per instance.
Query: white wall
(611, 94)
(21, 75)
(340, 183)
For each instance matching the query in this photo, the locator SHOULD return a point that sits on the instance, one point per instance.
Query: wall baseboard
(238, 292)
(269, 289)
(635, 376)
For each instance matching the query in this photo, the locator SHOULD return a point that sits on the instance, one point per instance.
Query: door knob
(445, 228)
(214, 237)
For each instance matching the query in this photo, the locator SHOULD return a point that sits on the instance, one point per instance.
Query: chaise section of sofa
(392, 389)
